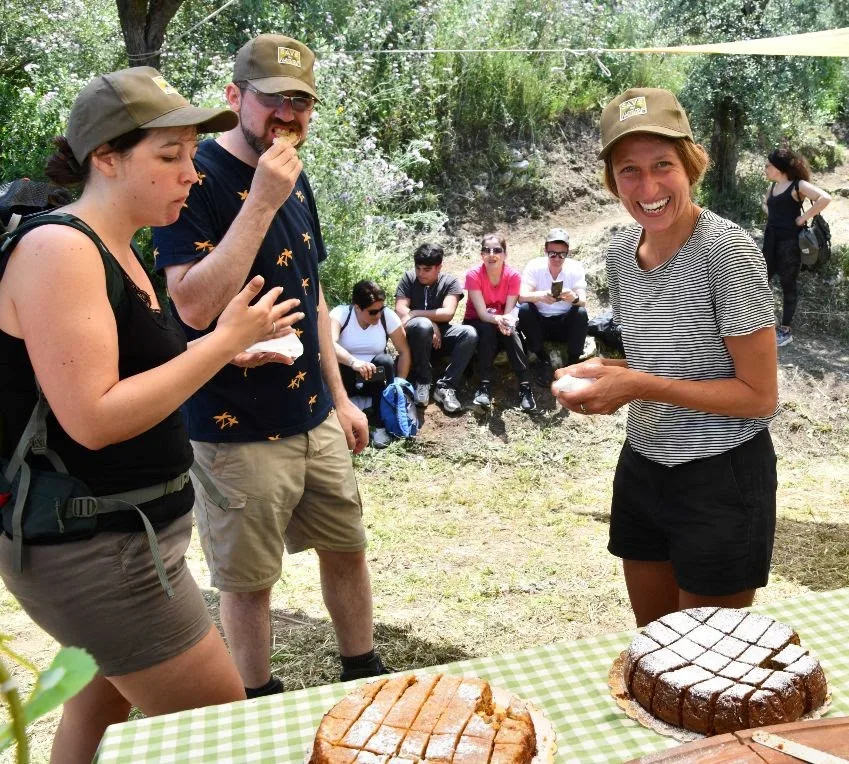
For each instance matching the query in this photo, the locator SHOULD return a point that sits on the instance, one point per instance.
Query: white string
(409, 51)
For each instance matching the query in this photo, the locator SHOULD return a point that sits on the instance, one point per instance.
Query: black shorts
(712, 518)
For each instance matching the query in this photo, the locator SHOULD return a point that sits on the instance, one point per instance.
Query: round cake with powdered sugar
(715, 670)
(432, 718)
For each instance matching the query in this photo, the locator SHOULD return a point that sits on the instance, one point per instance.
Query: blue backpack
(398, 409)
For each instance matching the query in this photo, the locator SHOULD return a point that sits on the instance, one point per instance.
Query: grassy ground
(488, 533)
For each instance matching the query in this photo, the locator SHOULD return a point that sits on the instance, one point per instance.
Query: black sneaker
(272, 687)
(374, 667)
(526, 397)
(483, 396)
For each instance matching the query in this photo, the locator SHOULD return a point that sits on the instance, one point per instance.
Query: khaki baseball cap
(119, 102)
(557, 234)
(642, 110)
(273, 63)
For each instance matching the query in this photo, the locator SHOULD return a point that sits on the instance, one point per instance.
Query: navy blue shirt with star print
(271, 401)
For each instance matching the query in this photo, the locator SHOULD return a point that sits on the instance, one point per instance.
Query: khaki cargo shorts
(298, 492)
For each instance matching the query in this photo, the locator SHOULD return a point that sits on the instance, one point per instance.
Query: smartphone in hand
(556, 288)
(379, 374)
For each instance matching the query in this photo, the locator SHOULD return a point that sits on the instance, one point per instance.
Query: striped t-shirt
(673, 319)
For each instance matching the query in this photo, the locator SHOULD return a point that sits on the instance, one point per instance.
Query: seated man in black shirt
(426, 300)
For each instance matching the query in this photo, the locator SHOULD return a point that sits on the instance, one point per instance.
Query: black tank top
(783, 210)
(146, 338)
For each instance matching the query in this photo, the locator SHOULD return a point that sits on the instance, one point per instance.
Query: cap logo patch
(289, 56)
(163, 85)
(632, 107)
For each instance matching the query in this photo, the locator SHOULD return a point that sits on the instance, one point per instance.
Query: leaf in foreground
(71, 670)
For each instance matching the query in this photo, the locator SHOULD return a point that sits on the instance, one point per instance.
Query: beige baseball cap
(557, 234)
(119, 102)
(273, 63)
(642, 110)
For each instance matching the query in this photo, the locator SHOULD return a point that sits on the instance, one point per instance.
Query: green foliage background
(394, 132)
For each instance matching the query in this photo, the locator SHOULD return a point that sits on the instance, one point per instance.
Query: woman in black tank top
(791, 185)
(115, 381)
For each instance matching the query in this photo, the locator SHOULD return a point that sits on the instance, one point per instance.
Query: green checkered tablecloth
(568, 681)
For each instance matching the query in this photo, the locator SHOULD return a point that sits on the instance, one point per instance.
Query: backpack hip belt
(72, 509)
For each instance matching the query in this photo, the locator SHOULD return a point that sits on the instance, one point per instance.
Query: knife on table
(799, 751)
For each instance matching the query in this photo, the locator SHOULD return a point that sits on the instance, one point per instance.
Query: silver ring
(274, 327)
(583, 410)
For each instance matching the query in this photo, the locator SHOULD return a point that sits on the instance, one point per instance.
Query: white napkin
(288, 345)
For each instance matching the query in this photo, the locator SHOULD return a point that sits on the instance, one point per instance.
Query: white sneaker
(448, 398)
(422, 395)
(380, 438)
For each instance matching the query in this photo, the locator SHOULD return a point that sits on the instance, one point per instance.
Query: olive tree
(739, 103)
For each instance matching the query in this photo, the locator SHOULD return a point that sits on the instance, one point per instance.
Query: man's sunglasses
(558, 255)
(492, 250)
(276, 100)
(375, 311)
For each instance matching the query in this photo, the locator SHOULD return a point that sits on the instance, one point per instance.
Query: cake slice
(649, 669)
(386, 698)
(697, 712)
(436, 703)
(641, 645)
(669, 695)
(405, 710)
(765, 708)
(385, 740)
(731, 712)
(472, 750)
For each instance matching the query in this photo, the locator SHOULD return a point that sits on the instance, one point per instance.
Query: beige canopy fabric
(831, 42)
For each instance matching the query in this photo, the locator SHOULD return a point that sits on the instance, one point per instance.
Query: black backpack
(23, 197)
(822, 232)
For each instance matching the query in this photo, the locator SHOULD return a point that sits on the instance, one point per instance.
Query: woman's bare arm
(58, 287)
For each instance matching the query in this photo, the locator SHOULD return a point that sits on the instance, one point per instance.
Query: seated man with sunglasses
(553, 297)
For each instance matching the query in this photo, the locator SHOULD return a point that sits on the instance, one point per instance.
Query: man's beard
(255, 141)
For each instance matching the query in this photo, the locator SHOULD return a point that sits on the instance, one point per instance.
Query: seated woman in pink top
(493, 289)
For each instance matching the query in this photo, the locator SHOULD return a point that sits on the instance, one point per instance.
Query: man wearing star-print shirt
(273, 432)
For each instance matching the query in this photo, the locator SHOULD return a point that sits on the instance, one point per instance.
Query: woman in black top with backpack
(80, 322)
(790, 176)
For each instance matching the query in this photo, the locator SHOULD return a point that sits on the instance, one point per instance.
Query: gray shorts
(295, 493)
(103, 595)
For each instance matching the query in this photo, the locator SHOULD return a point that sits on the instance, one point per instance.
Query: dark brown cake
(717, 670)
(432, 718)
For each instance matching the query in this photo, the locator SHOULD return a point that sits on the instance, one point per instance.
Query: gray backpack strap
(211, 489)
(87, 506)
(18, 516)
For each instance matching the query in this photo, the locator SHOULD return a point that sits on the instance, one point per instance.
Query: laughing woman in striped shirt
(693, 510)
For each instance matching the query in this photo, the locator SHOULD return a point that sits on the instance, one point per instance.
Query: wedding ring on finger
(274, 327)
(583, 410)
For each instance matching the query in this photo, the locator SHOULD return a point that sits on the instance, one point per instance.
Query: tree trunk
(728, 125)
(143, 24)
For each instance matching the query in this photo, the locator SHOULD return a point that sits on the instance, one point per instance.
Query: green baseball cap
(642, 110)
(119, 102)
(273, 63)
